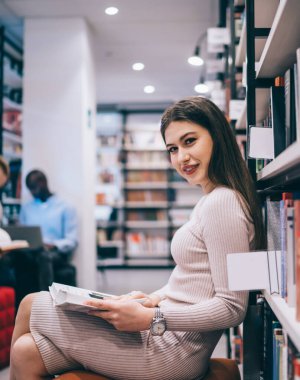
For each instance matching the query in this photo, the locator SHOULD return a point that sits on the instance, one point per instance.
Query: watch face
(158, 327)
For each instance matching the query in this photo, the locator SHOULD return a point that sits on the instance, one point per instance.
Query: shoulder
(61, 203)
(222, 198)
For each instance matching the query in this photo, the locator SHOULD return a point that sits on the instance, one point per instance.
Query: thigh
(69, 340)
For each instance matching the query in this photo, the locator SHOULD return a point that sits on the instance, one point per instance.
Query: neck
(45, 196)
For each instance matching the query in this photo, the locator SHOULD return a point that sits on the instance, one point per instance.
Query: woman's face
(190, 147)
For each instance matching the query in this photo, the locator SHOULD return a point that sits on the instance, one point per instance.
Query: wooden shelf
(11, 136)
(132, 148)
(286, 316)
(144, 224)
(148, 166)
(262, 105)
(11, 105)
(146, 185)
(287, 160)
(161, 204)
(280, 49)
(181, 185)
(264, 15)
(111, 244)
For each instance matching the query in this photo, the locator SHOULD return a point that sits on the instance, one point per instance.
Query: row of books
(283, 112)
(146, 157)
(146, 176)
(283, 233)
(12, 121)
(147, 244)
(146, 196)
(281, 360)
(140, 138)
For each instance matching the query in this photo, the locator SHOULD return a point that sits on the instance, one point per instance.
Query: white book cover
(254, 271)
(291, 257)
(72, 298)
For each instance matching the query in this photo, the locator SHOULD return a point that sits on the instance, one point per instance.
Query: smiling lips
(189, 169)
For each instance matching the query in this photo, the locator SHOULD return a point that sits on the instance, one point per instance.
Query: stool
(7, 320)
(219, 369)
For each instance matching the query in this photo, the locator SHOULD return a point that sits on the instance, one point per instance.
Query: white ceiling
(160, 33)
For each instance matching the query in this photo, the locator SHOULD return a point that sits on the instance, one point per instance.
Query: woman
(194, 306)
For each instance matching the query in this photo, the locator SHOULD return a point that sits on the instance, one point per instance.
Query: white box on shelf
(261, 142)
(254, 271)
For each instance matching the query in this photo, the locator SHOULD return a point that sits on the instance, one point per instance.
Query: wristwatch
(158, 325)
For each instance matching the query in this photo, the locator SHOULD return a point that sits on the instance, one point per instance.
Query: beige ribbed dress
(196, 303)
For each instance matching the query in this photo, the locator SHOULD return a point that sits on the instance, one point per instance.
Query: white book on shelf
(254, 271)
(291, 257)
(261, 142)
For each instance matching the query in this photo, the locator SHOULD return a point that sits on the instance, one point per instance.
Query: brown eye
(173, 149)
(190, 140)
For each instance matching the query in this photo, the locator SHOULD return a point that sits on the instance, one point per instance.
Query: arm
(70, 228)
(224, 229)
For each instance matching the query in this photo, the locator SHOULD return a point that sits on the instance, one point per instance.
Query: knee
(24, 351)
(25, 306)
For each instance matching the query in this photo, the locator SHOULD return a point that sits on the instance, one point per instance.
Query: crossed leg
(26, 362)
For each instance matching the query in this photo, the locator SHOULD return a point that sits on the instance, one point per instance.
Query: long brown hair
(227, 166)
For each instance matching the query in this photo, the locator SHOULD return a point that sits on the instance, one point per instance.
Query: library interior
(150, 152)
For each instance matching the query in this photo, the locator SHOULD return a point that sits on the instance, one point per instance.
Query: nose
(183, 156)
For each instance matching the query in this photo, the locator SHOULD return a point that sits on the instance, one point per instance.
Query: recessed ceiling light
(149, 89)
(111, 11)
(138, 66)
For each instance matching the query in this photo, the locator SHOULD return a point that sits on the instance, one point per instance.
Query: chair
(7, 320)
(219, 369)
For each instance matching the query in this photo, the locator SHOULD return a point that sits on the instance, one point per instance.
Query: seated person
(59, 225)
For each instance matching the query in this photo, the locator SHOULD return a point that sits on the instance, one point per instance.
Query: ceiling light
(201, 88)
(195, 59)
(111, 11)
(138, 66)
(149, 89)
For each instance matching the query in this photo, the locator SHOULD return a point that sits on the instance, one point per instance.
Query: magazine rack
(219, 369)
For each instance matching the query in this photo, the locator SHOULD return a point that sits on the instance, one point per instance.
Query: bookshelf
(152, 200)
(11, 65)
(268, 43)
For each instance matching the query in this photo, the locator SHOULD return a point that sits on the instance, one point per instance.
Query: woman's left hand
(124, 315)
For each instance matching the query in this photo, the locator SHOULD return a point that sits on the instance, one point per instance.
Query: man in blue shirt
(59, 226)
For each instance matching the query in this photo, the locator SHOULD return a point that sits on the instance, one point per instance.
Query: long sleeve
(218, 227)
(70, 231)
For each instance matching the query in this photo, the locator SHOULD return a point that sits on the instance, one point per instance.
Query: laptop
(32, 234)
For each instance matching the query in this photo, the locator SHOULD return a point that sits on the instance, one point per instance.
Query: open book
(72, 298)
(6, 244)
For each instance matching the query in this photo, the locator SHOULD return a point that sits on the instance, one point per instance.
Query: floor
(122, 281)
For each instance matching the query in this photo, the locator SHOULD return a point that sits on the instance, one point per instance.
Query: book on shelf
(297, 254)
(72, 298)
(146, 196)
(277, 118)
(290, 113)
(284, 204)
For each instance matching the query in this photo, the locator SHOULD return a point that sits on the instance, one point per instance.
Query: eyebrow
(182, 137)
